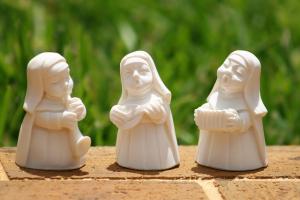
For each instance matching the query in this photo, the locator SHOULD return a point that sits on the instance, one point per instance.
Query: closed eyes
(240, 71)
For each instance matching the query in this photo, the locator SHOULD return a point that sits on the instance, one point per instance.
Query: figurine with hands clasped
(146, 137)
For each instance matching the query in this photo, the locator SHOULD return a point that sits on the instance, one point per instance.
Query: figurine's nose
(227, 72)
(67, 83)
(226, 75)
(225, 78)
(135, 74)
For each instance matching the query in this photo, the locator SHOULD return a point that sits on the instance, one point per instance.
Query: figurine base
(233, 170)
(81, 164)
(140, 169)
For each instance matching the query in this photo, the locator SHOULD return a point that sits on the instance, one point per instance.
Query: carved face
(59, 84)
(232, 75)
(137, 78)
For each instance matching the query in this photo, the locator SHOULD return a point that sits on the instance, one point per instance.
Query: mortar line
(209, 188)
(3, 175)
(159, 178)
(267, 179)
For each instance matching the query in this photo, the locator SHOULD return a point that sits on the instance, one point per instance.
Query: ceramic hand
(155, 110)
(135, 111)
(233, 121)
(76, 106)
(197, 117)
(117, 116)
(69, 120)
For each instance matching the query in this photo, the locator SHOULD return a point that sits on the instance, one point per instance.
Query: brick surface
(259, 189)
(284, 162)
(100, 189)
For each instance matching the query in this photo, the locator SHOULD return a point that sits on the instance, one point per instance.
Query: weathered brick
(259, 189)
(100, 189)
(284, 162)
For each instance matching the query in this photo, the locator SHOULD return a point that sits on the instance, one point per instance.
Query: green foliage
(187, 39)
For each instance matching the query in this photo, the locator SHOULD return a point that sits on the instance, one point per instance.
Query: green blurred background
(188, 40)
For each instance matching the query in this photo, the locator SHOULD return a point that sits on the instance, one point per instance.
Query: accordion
(212, 119)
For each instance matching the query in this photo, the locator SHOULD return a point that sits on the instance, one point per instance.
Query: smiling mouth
(138, 83)
(140, 86)
(225, 79)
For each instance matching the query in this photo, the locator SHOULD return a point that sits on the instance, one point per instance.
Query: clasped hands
(76, 111)
(122, 114)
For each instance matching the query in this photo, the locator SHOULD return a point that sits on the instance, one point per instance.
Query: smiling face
(233, 74)
(137, 78)
(59, 84)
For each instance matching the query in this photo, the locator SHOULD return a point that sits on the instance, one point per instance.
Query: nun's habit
(243, 150)
(147, 145)
(39, 146)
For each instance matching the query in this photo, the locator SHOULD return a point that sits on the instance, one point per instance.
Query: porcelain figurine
(49, 136)
(146, 137)
(230, 123)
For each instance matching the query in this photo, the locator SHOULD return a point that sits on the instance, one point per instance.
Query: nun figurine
(146, 137)
(49, 136)
(230, 123)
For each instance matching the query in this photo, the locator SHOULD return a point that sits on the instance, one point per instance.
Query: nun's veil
(161, 89)
(36, 70)
(252, 97)
(252, 88)
(35, 78)
(158, 84)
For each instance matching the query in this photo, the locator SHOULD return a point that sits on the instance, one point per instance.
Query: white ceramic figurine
(49, 136)
(146, 138)
(230, 123)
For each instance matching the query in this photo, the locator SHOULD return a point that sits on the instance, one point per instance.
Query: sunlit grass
(187, 39)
